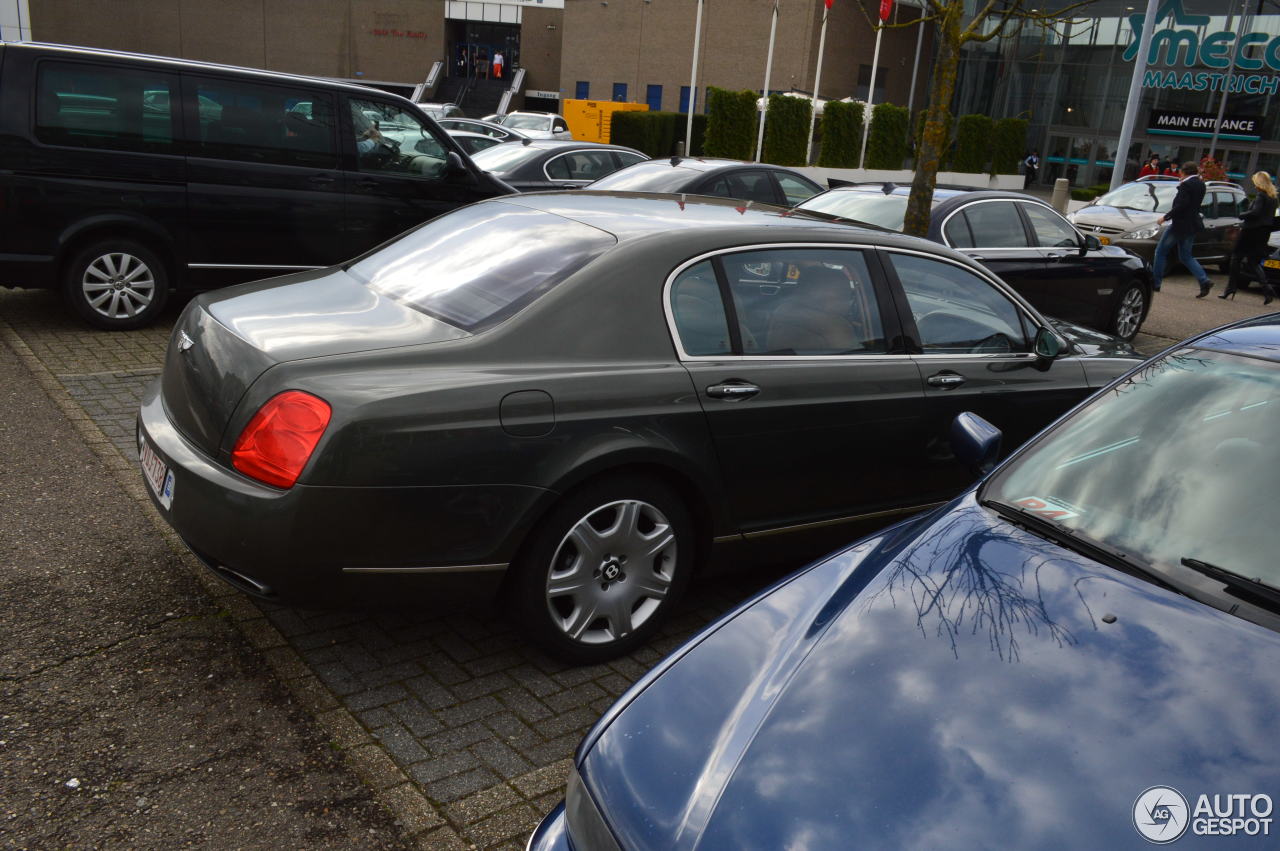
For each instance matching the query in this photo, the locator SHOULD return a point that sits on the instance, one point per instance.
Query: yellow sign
(592, 120)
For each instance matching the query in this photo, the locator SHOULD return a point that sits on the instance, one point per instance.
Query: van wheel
(603, 569)
(116, 284)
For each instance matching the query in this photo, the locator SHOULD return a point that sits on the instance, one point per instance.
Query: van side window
(119, 109)
(392, 141)
(236, 120)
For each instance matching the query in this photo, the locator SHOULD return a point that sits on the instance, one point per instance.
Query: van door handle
(367, 183)
(732, 390)
(321, 179)
(946, 380)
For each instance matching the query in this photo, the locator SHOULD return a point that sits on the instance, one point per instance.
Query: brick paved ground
(483, 726)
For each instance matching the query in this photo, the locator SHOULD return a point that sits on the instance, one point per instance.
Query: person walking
(1184, 223)
(1030, 165)
(498, 62)
(1251, 246)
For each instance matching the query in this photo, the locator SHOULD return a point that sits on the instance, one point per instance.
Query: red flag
(886, 9)
(828, 2)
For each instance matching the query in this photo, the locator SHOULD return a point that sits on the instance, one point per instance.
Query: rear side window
(995, 224)
(239, 120)
(796, 190)
(698, 309)
(476, 266)
(91, 106)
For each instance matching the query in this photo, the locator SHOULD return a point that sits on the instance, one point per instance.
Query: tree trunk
(933, 140)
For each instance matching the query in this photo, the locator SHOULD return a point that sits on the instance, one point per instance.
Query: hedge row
(786, 130)
(1008, 144)
(656, 133)
(731, 124)
(887, 142)
(841, 135)
(973, 144)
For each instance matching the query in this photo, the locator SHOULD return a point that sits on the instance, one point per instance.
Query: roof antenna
(888, 187)
(675, 160)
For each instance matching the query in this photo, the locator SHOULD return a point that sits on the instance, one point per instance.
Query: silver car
(1128, 217)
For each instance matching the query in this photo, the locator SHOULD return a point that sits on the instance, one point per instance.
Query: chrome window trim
(564, 154)
(1019, 302)
(942, 226)
(1070, 224)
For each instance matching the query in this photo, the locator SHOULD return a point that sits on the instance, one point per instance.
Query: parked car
(1016, 669)
(768, 184)
(538, 125)
(486, 128)
(1036, 251)
(545, 395)
(442, 110)
(1128, 217)
(126, 176)
(535, 165)
(473, 143)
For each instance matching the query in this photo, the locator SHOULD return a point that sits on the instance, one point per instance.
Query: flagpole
(871, 97)
(764, 94)
(693, 84)
(817, 78)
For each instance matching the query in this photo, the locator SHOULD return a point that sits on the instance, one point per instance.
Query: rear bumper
(337, 545)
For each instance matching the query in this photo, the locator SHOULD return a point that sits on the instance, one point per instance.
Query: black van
(123, 176)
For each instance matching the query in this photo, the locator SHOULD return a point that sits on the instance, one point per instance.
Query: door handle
(1054, 257)
(321, 179)
(946, 380)
(367, 183)
(732, 390)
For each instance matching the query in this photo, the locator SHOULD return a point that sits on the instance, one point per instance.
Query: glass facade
(1071, 81)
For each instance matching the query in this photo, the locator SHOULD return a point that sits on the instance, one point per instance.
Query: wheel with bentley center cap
(602, 570)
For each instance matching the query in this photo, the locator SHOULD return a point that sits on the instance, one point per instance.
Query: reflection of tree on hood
(954, 589)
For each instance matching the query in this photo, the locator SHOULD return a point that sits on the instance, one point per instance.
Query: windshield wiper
(1234, 581)
(1060, 534)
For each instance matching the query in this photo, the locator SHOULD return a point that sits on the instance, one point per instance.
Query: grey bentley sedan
(576, 400)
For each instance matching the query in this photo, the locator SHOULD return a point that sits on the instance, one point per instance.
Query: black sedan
(580, 398)
(538, 164)
(767, 184)
(1024, 241)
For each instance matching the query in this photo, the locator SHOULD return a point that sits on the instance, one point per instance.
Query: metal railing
(517, 82)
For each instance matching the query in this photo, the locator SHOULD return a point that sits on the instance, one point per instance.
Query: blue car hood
(958, 683)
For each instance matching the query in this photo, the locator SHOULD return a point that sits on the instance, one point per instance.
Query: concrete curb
(391, 787)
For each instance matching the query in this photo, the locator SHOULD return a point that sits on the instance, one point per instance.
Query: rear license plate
(159, 477)
(1105, 240)
(1272, 264)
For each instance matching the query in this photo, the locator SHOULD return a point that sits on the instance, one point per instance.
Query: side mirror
(454, 164)
(975, 442)
(1048, 345)
(1091, 243)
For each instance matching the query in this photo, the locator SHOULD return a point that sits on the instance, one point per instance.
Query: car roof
(561, 144)
(708, 164)
(1258, 337)
(633, 215)
(178, 63)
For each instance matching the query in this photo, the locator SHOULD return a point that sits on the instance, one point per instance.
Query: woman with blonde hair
(1251, 246)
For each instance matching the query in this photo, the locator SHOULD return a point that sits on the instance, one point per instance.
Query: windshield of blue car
(874, 208)
(476, 266)
(1178, 461)
(504, 159)
(1149, 197)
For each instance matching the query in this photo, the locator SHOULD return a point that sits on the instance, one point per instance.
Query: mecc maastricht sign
(1182, 46)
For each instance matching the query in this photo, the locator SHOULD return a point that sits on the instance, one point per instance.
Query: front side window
(995, 224)
(478, 265)
(956, 311)
(238, 120)
(698, 310)
(1176, 462)
(91, 106)
(392, 141)
(805, 302)
(1051, 230)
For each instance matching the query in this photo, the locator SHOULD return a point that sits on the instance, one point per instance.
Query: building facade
(1072, 81)
(627, 50)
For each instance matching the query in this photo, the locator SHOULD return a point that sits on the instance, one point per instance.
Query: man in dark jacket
(1184, 223)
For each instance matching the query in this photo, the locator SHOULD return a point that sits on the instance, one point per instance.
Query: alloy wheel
(611, 572)
(118, 285)
(1129, 314)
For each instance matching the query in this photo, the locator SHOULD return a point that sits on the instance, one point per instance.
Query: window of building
(582, 91)
(653, 97)
(864, 83)
(121, 109)
(684, 99)
(620, 92)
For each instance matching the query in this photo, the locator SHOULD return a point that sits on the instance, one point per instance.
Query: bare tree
(994, 19)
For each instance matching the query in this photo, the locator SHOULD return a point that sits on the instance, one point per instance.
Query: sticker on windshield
(1050, 509)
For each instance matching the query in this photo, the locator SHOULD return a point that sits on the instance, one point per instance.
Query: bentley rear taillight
(279, 440)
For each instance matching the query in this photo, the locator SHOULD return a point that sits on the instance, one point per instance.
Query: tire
(1130, 310)
(116, 284)
(602, 570)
